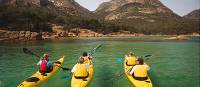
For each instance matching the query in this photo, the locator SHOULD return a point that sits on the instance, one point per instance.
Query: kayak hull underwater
(83, 82)
(136, 83)
(37, 78)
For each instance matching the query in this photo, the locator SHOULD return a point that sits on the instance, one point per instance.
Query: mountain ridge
(67, 6)
(194, 15)
(110, 10)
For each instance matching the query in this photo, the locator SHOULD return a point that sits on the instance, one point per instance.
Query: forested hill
(145, 16)
(38, 15)
(136, 16)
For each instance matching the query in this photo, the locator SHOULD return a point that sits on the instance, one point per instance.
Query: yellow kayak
(80, 82)
(136, 83)
(37, 78)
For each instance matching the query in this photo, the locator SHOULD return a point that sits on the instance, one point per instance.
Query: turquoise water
(176, 65)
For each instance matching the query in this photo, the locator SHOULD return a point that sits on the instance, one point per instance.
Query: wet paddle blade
(119, 59)
(25, 50)
(67, 69)
(65, 77)
(147, 55)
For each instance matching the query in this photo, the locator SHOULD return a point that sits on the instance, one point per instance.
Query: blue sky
(180, 7)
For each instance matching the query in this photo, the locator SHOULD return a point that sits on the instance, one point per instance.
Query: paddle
(119, 59)
(153, 54)
(64, 77)
(91, 53)
(25, 50)
(63, 68)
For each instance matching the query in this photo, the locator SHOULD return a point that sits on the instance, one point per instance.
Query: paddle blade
(65, 77)
(25, 50)
(147, 55)
(119, 59)
(67, 69)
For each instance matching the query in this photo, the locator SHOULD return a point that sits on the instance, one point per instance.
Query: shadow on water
(106, 77)
(104, 72)
(154, 79)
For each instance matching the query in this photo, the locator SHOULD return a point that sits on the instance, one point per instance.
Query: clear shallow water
(176, 65)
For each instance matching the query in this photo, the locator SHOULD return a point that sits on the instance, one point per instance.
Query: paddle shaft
(153, 54)
(63, 68)
(25, 50)
(93, 51)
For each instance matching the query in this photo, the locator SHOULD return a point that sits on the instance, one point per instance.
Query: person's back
(43, 65)
(131, 59)
(80, 69)
(139, 71)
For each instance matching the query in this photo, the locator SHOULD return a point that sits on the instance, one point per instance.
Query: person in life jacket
(43, 64)
(87, 58)
(130, 59)
(139, 71)
(80, 70)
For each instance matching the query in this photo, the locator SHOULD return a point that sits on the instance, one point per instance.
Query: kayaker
(43, 64)
(130, 59)
(87, 58)
(80, 70)
(46, 66)
(139, 71)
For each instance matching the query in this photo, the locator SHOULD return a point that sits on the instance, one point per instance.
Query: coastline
(23, 36)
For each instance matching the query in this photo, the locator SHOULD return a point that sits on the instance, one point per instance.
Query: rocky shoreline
(7, 36)
(18, 35)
